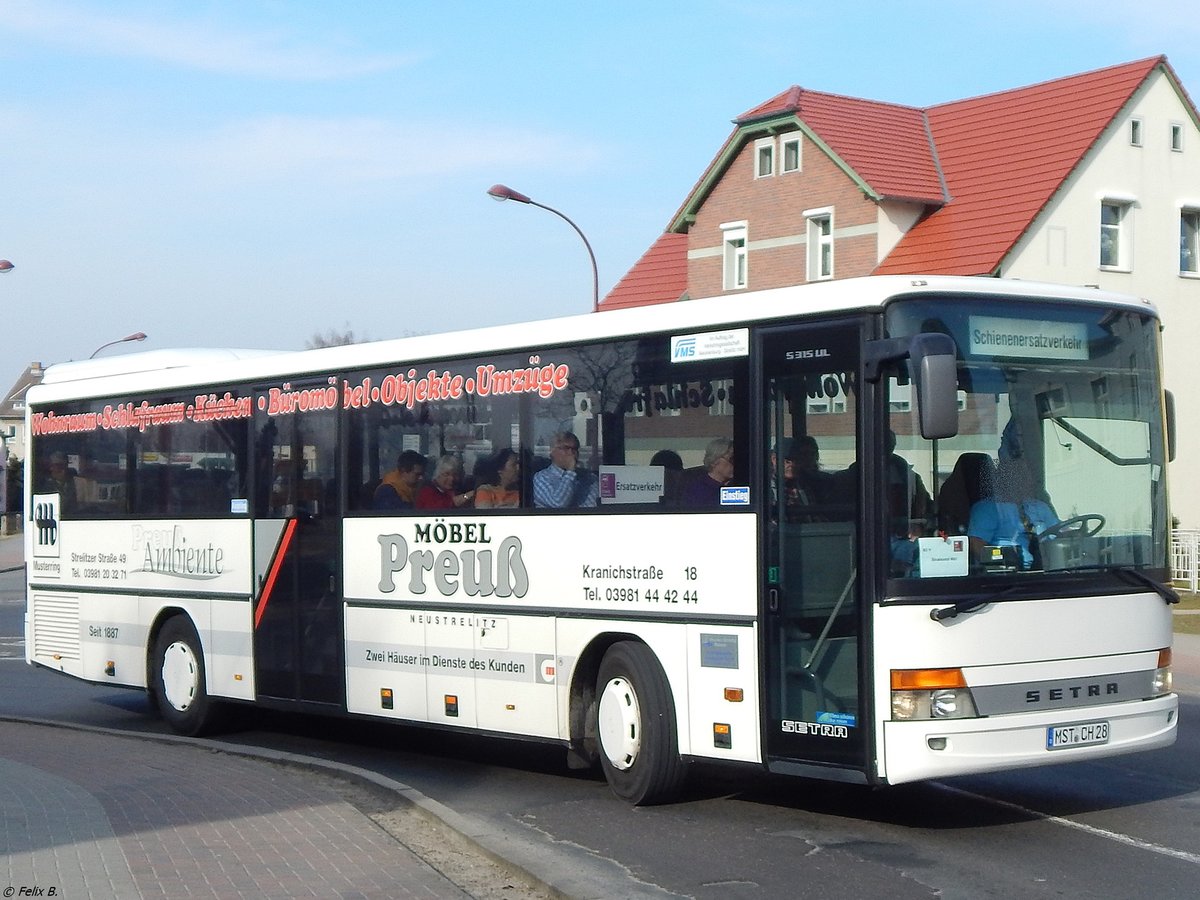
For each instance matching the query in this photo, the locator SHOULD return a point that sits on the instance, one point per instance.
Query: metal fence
(1185, 557)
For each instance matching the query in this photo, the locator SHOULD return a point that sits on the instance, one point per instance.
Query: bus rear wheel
(635, 724)
(177, 674)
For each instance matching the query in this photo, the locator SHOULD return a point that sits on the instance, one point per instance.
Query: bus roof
(180, 368)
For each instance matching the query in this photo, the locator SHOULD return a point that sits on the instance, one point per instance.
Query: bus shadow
(977, 801)
(446, 757)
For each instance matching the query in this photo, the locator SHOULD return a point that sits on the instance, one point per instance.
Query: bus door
(298, 626)
(812, 595)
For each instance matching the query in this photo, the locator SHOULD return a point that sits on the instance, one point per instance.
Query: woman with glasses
(705, 488)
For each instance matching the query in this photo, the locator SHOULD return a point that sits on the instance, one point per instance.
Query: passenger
(704, 490)
(398, 489)
(811, 487)
(1013, 518)
(668, 459)
(561, 485)
(504, 489)
(442, 490)
(907, 497)
(672, 466)
(908, 507)
(60, 480)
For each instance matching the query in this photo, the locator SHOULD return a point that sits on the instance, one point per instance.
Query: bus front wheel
(635, 723)
(178, 679)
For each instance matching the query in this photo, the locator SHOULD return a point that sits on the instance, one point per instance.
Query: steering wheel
(1076, 526)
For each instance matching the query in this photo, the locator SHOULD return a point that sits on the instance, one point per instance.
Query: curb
(437, 813)
(570, 881)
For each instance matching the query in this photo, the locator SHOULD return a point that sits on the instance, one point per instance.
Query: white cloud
(192, 43)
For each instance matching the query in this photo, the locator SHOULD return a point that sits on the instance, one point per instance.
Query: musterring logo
(476, 570)
(45, 519)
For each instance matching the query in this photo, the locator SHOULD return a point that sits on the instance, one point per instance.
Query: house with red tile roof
(1089, 179)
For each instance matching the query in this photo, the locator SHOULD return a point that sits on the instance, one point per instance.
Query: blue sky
(252, 173)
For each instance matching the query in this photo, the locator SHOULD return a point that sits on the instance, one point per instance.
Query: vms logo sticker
(683, 348)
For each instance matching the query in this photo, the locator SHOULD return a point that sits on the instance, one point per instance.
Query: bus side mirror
(934, 365)
(935, 371)
(1169, 399)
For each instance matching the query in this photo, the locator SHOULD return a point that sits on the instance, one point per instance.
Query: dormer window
(764, 158)
(791, 152)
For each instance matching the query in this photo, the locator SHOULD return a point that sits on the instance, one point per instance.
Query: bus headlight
(931, 694)
(1162, 683)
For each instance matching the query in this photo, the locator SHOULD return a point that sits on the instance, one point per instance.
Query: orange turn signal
(927, 679)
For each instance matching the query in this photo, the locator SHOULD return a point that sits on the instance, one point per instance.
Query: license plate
(1059, 737)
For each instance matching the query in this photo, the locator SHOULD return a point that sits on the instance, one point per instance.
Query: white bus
(873, 530)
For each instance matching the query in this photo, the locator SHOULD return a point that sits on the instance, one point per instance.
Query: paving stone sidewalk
(99, 816)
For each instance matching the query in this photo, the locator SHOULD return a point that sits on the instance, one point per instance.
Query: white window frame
(820, 243)
(1176, 137)
(789, 140)
(1135, 131)
(735, 267)
(764, 149)
(1121, 231)
(1189, 245)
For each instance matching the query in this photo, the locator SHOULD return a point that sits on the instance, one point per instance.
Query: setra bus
(874, 530)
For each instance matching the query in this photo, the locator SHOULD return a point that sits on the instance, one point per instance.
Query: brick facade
(772, 207)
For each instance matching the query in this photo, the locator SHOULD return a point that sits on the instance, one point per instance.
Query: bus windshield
(1059, 464)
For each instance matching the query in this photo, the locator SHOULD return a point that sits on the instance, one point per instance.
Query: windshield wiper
(1129, 575)
(1097, 447)
(1167, 593)
(973, 605)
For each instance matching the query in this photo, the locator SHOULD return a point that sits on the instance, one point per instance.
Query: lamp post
(136, 336)
(5, 268)
(502, 192)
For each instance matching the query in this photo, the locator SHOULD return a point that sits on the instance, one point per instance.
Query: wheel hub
(180, 675)
(619, 722)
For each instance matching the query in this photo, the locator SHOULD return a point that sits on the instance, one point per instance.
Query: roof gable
(1004, 156)
(884, 147)
(887, 145)
(12, 404)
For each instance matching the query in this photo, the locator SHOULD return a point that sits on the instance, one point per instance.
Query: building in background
(12, 411)
(1092, 179)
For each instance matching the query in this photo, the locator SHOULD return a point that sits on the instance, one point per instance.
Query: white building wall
(895, 219)
(1064, 246)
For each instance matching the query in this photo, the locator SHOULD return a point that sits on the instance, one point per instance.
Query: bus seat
(970, 482)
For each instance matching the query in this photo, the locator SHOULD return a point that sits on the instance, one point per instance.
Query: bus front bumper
(917, 750)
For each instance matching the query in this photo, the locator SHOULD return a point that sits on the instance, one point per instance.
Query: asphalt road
(1123, 827)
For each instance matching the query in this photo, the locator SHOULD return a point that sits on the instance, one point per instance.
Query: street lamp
(136, 336)
(6, 266)
(502, 192)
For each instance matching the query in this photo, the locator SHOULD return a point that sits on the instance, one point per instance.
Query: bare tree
(333, 338)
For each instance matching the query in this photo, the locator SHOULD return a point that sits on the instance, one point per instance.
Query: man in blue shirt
(560, 485)
(1014, 517)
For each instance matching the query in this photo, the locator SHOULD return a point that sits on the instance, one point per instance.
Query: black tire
(178, 680)
(635, 726)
